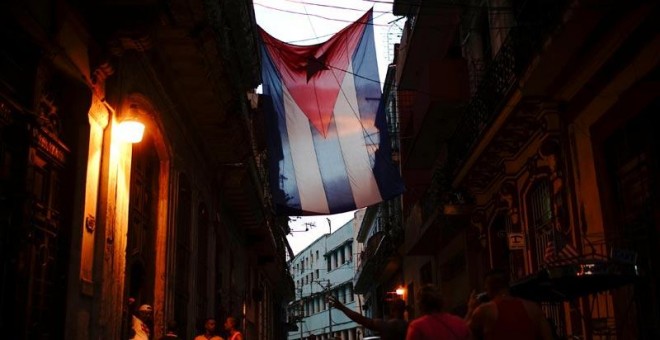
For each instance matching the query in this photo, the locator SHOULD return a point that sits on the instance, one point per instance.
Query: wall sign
(516, 241)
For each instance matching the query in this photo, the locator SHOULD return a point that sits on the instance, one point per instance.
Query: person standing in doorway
(210, 332)
(231, 325)
(505, 316)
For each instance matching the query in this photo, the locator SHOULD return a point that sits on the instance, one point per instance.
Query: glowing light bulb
(131, 131)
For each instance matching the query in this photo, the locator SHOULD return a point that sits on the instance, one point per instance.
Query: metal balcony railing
(534, 23)
(372, 245)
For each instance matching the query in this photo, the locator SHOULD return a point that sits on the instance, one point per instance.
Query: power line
(315, 15)
(357, 75)
(335, 7)
(435, 27)
(326, 35)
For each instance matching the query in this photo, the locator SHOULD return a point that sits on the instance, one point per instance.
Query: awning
(568, 282)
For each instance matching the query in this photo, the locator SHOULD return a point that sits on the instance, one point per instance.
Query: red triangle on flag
(313, 74)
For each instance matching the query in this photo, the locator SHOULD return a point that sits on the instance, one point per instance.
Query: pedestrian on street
(231, 325)
(505, 316)
(435, 324)
(141, 322)
(171, 331)
(210, 332)
(394, 328)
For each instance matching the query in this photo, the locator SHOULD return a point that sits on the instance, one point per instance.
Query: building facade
(325, 267)
(525, 140)
(380, 236)
(90, 220)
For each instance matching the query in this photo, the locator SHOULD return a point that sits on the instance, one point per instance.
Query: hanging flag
(559, 251)
(328, 145)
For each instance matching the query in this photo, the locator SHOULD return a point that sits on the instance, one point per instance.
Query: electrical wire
(327, 35)
(435, 27)
(362, 77)
(335, 7)
(314, 15)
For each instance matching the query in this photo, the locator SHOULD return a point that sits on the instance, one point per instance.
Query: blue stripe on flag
(366, 70)
(285, 189)
(333, 170)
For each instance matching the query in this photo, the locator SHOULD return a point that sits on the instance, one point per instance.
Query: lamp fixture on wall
(130, 128)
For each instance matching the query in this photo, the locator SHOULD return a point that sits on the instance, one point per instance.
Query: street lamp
(131, 124)
(130, 130)
(400, 291)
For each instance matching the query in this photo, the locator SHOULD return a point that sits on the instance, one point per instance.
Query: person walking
(231, 325)
(394, 328)
(505, 316)
(435, 324)
(210, 332)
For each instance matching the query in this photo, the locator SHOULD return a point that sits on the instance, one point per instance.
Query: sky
(308, 22)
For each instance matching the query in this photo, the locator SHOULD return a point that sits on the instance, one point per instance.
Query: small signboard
(516, 241)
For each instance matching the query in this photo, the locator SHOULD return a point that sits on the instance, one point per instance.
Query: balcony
(373, 262)
(524, 41)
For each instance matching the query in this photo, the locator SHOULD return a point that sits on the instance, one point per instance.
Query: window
(349, 248)
(539, 205)
(342, 257)
(540, 218)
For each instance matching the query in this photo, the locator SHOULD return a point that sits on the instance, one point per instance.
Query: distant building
(325, 267)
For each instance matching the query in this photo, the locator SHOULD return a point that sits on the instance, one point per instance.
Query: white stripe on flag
(354, 148)
(305, 164)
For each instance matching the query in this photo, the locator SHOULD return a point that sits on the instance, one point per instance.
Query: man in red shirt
(505, 316)
(436, 324)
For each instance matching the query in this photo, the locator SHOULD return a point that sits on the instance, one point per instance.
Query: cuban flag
(329, 149)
